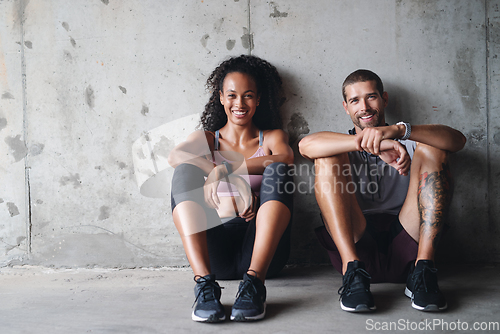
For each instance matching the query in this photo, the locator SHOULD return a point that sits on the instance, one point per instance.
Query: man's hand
(369, 139)
(395, 155)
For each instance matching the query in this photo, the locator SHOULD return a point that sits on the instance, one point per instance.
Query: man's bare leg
(339, 207)
(423, 216)
(346, 224)
(425, 209)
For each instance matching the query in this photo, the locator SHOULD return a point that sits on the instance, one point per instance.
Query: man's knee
(332, 166)
(429, 154)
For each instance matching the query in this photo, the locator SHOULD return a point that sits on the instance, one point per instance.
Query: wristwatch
(407, 130)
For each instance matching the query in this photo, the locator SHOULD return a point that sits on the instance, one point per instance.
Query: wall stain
(89, 96)
(3, 123)
(73, 42)
(247, 39)
(68, 56)
(7, 95)
(465, 79)
(276, 13)
(163, 147)
(65, 25)
(145, 109)
(230, 43)
(13, 210)
(123, 89)
(36, 149)
(104, 213)
(18, 147)
(476, 137)
(28, 44)
(204, 39)
(39, 201)
(496, 138)
(218, 25)
(43, 224)
(72, 178)
(122, 165)
(106, 2)
(1, 200)
(296, 127)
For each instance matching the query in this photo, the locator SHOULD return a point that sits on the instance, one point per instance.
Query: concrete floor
(42, 300)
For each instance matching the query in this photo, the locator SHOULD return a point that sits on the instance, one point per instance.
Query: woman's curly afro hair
(267, 116)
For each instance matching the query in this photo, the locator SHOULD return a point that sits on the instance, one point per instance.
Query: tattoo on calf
(434, 197)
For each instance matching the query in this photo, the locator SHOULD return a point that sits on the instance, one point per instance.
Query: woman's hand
(250, 200)
(251, 203)
(210, 187)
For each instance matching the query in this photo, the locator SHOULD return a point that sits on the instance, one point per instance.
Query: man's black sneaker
(422, 287)
(355, 295)
(208, 307)
(250, 303)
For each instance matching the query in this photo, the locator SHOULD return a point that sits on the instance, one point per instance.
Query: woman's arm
(194, 151)
(277, 142)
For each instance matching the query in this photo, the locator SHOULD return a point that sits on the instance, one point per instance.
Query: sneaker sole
(408, 293)
(241, 318)
(361, 308)
(211, 319)
(428, 308)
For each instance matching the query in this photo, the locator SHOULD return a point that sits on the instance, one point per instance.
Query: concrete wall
(81, 81)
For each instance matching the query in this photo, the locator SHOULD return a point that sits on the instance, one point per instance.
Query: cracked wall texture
(80, 81)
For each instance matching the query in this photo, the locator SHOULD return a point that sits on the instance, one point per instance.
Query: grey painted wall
(81, 81)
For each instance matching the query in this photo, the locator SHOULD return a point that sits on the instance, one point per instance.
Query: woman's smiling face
(240, 97)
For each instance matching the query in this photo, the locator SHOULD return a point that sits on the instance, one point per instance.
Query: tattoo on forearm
(434, 197)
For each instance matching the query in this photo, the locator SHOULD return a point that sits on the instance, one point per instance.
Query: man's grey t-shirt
(379, 187)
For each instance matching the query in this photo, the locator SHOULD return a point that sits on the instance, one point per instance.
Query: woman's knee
(276, 169)
(276, 176)
(277, 184)
(187, 171)
(187, 184)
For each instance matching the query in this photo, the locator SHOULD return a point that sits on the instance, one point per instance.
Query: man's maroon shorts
(386, 249)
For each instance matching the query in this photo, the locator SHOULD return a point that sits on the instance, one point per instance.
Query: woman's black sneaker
(250, 303)
(355, 295)
(422, 287)
(208, 307)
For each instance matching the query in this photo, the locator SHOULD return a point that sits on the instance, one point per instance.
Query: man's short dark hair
(362, 76)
